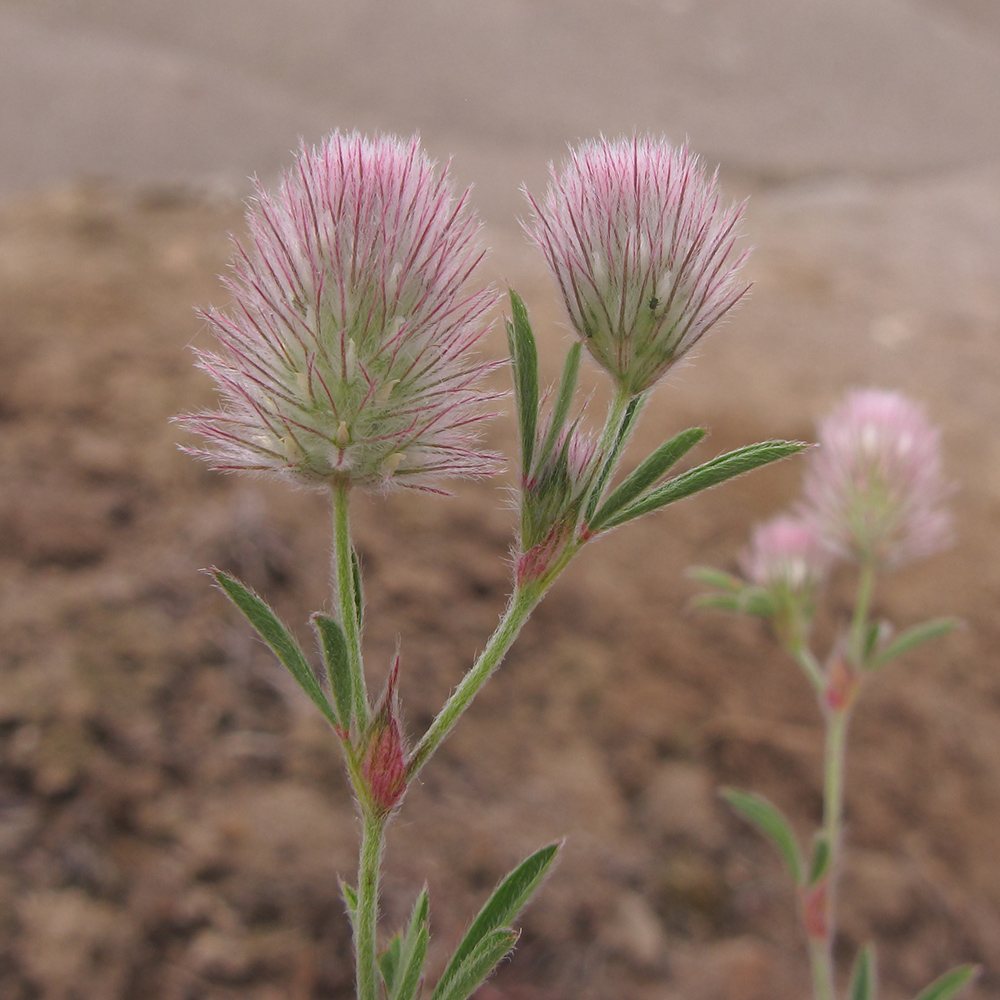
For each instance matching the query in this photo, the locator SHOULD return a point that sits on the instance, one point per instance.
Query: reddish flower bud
(384, 763)
(842, 683)
(815, 917)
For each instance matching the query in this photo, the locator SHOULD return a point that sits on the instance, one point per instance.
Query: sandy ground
(172, 817)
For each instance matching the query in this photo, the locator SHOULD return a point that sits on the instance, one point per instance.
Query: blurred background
(172, 817)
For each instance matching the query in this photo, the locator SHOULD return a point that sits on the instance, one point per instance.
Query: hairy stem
(366, 920)
(343, 574)
(522, 602)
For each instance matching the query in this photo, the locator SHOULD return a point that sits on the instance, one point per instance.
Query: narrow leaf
(611, 459)
(647, 474)
(524, 365)
(503, 906)
(388, 962)
(771, 823)
(864, 980)
(716, 578)
(712, 473)
(338, 666)
(564, 399)
(359, 597)
(950, 983)
(350, 899)
(414, 950)
(913, 637)
(477, 966)
(820, 863)
(277, 637)
(411, 967)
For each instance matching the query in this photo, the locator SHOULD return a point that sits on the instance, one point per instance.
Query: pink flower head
(346, 353)
(786, 552)
(642, 249)
(875, 486)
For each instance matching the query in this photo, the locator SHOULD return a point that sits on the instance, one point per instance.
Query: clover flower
(346, 355)
(875, 486)
(786, 552)
(642, 249)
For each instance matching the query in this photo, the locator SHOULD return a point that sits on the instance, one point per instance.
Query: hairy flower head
(875, 486)
(643, 250)
(786, 552)
(346, 353)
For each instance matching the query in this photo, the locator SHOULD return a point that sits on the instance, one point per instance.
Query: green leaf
(911, 638)
(277, 637)
(611, 459)
(821, 858)
(564, 399)
(712, 473)
(771, 823)
(488, 953)
(864, 980)
(414, 951)
(350, 899)
(647, 474)
(388, 962)
(870, 640)
(359, 597)
(716, 578)
(411, 967)
(501, 908)
(338, 665)
(524, 365)
(950, 983)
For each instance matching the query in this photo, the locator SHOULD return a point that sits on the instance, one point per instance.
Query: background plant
(873, 497)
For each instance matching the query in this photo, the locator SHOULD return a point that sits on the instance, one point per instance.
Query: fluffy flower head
(643, 251)
(786, 552)
(875, 486)
(346, 353)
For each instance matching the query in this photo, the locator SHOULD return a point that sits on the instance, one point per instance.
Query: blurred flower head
(875, 486)
(346, 355)
(643, 251)
(788, 560)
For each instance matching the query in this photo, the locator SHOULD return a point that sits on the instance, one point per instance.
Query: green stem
(862, 605)
(822, 971)
(806, 659)
(522, 602)
(612, 442)
(366, 919)
(343, 573)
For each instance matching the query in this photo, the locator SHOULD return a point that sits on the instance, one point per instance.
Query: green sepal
(712, 473)
(350, 899)
(524, 366)
(769, 820)
(412, 953)
(717, 578)
(470, 974)
(912, 638)
(333, 644)
(864, 979)
(388, 962)
(500, 909)
(277, 637)
(647, 474)
(950, 983)
(871, 638)
(564, 399)
(821, 858)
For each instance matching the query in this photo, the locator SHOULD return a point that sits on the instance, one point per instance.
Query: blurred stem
(343, 574)
(522, 602)
(862, 605)
(366, 921)
(806, 659)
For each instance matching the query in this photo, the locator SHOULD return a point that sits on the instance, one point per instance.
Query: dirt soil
(172, 813)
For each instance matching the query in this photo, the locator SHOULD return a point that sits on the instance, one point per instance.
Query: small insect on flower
(875, 486)
(643, 251)
(347, 353)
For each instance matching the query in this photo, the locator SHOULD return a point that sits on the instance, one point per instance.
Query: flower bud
(383, 765)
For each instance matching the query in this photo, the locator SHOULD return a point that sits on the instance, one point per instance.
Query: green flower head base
(347, 353)
(643, 251)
